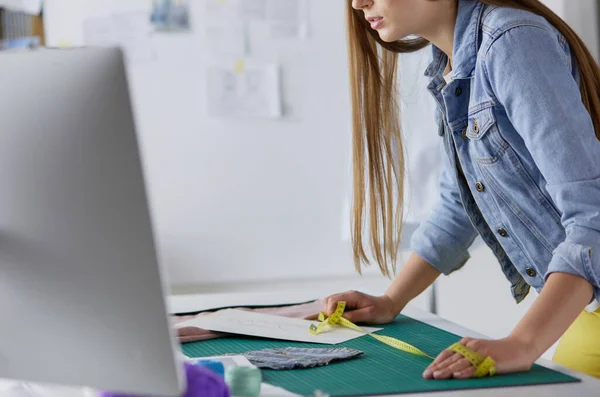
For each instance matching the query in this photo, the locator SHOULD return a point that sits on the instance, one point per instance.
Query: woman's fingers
(465, 373)
(354, 300)
(331, 302)
(448, 371)
(364, 315)
(443, 356)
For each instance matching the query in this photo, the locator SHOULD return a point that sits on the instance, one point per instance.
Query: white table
(587, 388)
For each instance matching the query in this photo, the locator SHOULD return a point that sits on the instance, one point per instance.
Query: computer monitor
(81, 294)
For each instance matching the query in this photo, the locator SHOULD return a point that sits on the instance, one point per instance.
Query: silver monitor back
(81, 294)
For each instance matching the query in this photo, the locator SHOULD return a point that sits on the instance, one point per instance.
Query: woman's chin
(387, 36)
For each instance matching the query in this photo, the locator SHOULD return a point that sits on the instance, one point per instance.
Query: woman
(518, 107)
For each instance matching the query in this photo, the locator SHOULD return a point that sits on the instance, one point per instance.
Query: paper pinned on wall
(131, 31)
(287, 19)
(33, 7)
(170, 15)
(244, 90)
(224, 28)
(253, 10)
(269, 326)
(99, 32)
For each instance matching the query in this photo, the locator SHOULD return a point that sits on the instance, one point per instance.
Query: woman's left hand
(510, 355)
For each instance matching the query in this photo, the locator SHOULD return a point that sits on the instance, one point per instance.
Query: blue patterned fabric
(294, 357)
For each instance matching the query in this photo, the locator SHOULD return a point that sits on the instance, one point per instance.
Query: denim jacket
(521, 159)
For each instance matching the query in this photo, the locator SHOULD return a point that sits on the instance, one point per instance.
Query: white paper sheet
(269, 326)
(243, 90)
(288, 19)
(253, 10)
(131, 31)
(28, 6)
(224, 28)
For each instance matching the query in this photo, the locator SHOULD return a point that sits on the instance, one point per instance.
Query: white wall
(582, 16)
(558, 6)
(241, 201)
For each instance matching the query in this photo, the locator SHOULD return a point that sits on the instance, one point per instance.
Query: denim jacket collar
(466, 40)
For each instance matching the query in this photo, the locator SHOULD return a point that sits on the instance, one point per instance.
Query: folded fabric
(306, 311)
(297, 357)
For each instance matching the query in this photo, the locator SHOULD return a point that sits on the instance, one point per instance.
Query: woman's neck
(443, 24)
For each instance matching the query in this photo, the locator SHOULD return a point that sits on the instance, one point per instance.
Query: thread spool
(243, 381)
(214, 365)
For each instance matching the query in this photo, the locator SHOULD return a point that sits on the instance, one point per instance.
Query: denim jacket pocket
(480, 123)
(485, 143)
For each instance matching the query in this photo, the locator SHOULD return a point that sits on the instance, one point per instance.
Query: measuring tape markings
(336, 318)
(484, 365)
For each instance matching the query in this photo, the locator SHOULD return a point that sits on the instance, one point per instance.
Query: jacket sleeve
(530, 73)
(444, 238)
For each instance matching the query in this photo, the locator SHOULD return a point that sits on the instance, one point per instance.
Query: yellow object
(485, 366)
(65, 44)
(336, 318)
(579, 347)
(239, 66)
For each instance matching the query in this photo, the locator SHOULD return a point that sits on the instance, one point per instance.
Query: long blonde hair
(378, 156)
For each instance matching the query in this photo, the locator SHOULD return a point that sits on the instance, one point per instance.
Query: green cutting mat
(380, 370)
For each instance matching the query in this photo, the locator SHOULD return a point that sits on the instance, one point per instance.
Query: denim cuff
(439, 248)
(576, 259)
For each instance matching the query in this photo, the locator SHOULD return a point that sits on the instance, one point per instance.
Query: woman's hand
(363, 308)
(510, 355)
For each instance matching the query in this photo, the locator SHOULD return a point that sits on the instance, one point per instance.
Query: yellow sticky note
(239, 66)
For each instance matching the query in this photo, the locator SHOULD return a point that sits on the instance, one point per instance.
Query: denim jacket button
(530, 272)
(458, 91)
(464, 133)
(502, 232)
(479, 186)
(475, 127)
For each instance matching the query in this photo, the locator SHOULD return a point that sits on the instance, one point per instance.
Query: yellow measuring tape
(336, 318)
(484, 366)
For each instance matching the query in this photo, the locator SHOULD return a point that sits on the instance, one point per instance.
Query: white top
(592, 307)
(448, 76)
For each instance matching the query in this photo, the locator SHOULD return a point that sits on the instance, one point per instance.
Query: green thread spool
(243, 381)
